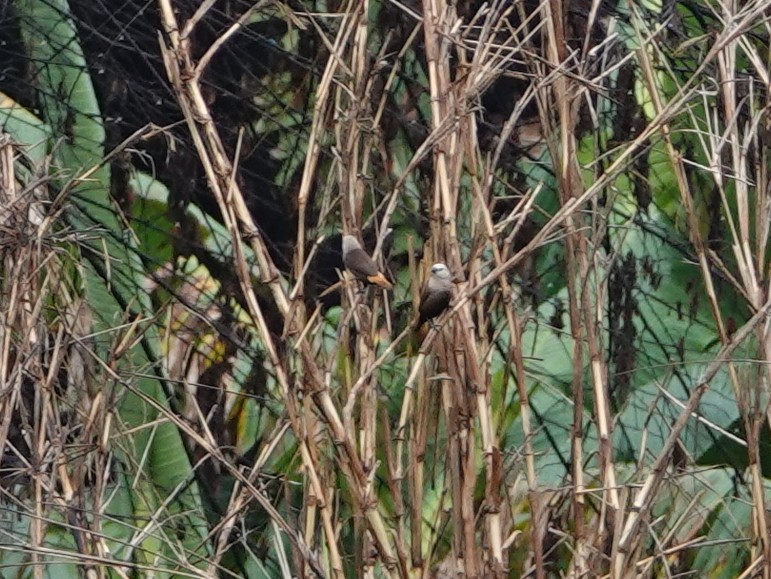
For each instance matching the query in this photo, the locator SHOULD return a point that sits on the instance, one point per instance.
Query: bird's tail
(418, 332)
(380, 280)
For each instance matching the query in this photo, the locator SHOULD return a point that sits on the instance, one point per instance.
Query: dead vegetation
(187, 387)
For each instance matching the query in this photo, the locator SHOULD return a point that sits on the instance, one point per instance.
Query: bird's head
(441, 271)
(350, 243)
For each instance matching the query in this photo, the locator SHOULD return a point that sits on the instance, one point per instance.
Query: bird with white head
(436, 294)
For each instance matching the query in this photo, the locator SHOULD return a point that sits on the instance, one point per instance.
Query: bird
(436, 294)
(361, 265)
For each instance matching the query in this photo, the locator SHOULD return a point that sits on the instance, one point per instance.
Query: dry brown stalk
(47, 381)
(219, 171)
(22, 291)
(439, 24)
(559, 107)
(748, 401)
(339, 423)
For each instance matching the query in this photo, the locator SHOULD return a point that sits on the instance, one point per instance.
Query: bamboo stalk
(237, 219)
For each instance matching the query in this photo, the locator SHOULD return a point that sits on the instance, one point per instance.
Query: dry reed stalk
(47, 381)
(19, 284)
(352, 430)
(623, 556)
(215, 453)
(481, 71)
(21, 294)
(356, 142)
(181, 71)
(323, 93)
(439, 23)
(747, 283)
(240, 498)
(559, 108)
(753, 402)
(514, 325)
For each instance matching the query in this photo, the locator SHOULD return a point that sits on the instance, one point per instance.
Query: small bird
(436, 294)
(361, 265)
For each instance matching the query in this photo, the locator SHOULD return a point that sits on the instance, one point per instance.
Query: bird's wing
(360, 263)
(433, 304)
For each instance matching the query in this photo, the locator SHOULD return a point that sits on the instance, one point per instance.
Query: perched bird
(322, 281)
(361, 265)
(436, 294)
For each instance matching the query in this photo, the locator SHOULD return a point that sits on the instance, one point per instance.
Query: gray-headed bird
(436, 294)
(361, 265)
